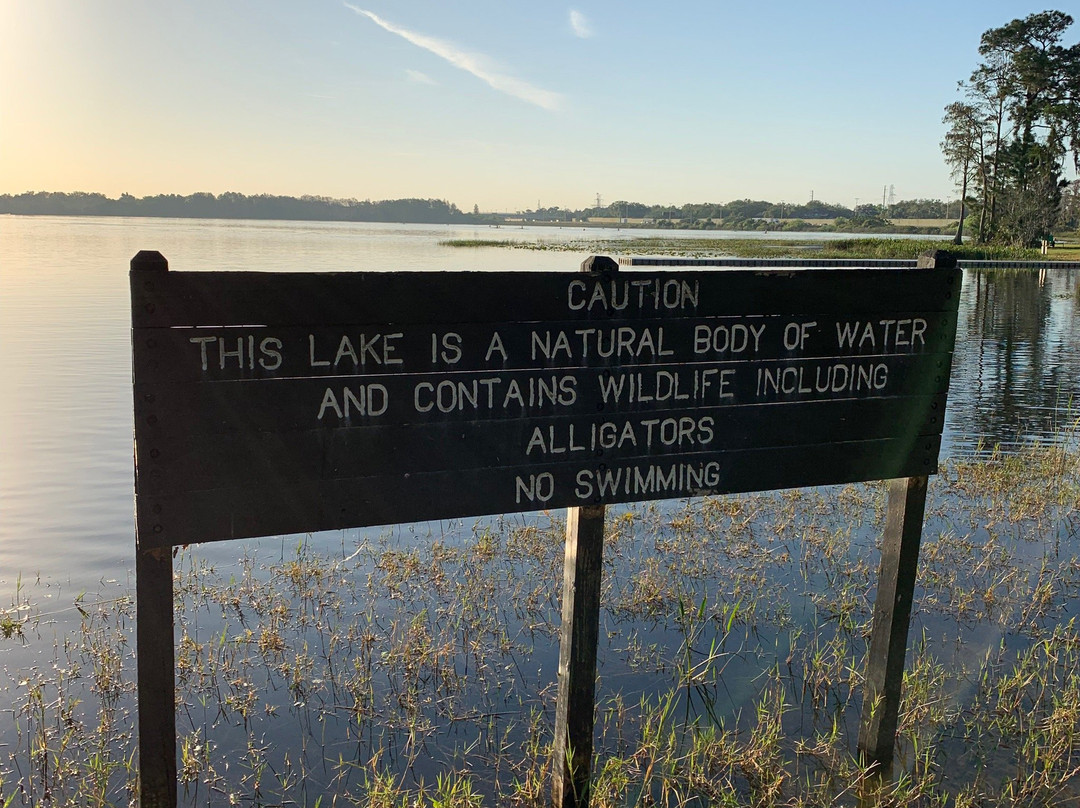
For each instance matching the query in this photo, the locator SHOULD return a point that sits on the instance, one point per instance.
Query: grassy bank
(417, 666)
(870, 248)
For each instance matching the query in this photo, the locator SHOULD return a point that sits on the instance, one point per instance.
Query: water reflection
(1016, 370)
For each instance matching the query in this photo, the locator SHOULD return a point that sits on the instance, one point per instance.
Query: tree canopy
(231, 205)
(1011, 139)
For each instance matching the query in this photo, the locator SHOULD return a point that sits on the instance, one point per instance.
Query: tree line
(1015, 129)
(744, 210)
(234, 206)
(740, 214)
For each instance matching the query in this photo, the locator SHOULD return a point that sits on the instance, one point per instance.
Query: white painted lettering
(649, 294)
(539, 488)
(312, 361)
(918, 331)
(224, 354)
(496, 344)
(202, 342)
(791, 336)
(346, 349)
(270, 348)
(451, 347)
(330, 400)
(575, 302)
(841, 377)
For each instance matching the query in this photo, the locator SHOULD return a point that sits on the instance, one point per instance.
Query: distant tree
(816, 209)
(742, 209)
(867, 211)
(1070, 207)
(231, 205)
(919, 209)
(964, 148)
(1026, 92)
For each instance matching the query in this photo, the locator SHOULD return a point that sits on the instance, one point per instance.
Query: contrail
(580, 24)
(420, 78)
(474, 63)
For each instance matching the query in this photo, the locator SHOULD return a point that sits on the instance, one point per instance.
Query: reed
(868, 248)
(415, 666)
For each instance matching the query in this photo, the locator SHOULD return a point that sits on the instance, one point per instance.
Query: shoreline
(806, 226)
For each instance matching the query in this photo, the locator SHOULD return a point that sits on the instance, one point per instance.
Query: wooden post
(572, 755)
(154, 641)
(892, 607)
(892, 613)
(582, 573)
(156, 677)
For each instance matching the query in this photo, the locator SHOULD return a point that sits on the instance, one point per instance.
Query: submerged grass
(417, 667)
(868, 248)
(477, 242)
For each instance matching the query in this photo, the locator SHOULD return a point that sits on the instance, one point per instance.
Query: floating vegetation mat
(417, 666)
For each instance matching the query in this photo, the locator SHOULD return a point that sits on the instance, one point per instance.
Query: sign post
(892, 606)
(578, 640)
(156, 660)
(154, 640)
(892, 614)
(270, 403)
(572, 745)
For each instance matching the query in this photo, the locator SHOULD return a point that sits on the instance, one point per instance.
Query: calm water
(66, 490)
(65, 422)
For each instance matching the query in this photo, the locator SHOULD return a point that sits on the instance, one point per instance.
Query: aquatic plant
(416, 666)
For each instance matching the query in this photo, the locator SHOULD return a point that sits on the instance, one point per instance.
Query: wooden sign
(297, 402)
(293, 402)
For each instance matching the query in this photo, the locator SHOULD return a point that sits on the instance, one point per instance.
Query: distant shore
(926, 227)
(929, 227)
(741, 215)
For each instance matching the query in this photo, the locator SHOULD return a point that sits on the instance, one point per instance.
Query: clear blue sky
(489, 102)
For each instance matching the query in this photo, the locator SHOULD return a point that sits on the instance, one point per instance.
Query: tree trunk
(959, 237)
(996, 176)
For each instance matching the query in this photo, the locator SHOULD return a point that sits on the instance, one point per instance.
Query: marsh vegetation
(869, 248)
(416, 666)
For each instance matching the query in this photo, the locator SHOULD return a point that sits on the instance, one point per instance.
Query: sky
(497, 103)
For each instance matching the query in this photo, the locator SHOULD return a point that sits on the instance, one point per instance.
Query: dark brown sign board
(273, 403)
(270, 403)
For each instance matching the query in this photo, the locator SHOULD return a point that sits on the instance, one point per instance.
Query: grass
(1070, 253)
(867, 248)
(416, 666)
(477, 242)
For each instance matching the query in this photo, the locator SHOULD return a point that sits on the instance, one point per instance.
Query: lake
(66, 489)
(66, 477)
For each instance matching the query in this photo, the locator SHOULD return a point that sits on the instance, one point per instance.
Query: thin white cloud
(416, 77)
(580, 25)
(474, 63)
